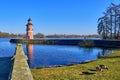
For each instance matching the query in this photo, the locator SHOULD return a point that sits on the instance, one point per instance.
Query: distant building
(29, 29)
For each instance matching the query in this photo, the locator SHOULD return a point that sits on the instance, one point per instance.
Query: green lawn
(83, 71)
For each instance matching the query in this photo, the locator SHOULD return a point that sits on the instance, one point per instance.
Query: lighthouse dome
(29, 22)
(29, 19)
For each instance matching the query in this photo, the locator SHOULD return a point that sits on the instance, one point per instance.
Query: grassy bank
(82, 71)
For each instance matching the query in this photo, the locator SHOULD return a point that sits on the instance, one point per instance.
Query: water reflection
(87, 50)
(55, 55)
(29, 48)
(104, 52)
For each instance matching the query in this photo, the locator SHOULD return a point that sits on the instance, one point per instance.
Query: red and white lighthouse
(29, 29)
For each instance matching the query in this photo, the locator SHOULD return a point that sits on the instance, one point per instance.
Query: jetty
(96, 42)
(20, 69)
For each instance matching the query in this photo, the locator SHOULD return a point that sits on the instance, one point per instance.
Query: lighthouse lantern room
(29, 29)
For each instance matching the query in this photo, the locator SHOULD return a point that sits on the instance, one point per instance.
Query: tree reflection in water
(104, 52)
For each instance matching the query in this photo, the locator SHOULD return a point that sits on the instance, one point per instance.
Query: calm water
(46, 55)
(52, 55)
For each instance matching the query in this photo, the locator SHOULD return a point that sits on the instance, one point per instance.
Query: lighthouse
(29, 29)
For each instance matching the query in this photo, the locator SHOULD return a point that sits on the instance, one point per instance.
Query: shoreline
(55, 66)
(81, 71)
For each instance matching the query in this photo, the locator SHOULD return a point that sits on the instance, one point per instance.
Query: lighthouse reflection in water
(30, 53)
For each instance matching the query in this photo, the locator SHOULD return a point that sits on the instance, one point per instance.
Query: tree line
(40, 35)
(109, 24)
(11, 35)
(72, 36)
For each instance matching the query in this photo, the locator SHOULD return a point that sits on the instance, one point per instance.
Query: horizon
(49, 17)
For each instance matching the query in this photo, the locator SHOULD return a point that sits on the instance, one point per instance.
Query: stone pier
(20, 69)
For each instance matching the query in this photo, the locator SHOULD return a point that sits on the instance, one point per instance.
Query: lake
(47, 55)
(52, 55)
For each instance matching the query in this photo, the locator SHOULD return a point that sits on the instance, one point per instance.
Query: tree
(109, 24)
(39, 35)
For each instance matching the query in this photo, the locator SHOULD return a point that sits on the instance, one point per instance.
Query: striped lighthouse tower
(29, 29)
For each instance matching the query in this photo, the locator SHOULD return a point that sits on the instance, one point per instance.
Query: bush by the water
(86, 43)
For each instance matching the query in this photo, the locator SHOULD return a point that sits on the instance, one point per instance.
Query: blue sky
(52, 16)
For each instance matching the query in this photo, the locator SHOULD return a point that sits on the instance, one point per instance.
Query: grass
(82, 71)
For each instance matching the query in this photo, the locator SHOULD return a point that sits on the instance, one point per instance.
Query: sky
(52, 16)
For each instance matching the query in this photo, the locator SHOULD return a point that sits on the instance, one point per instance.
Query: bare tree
(109, 24)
